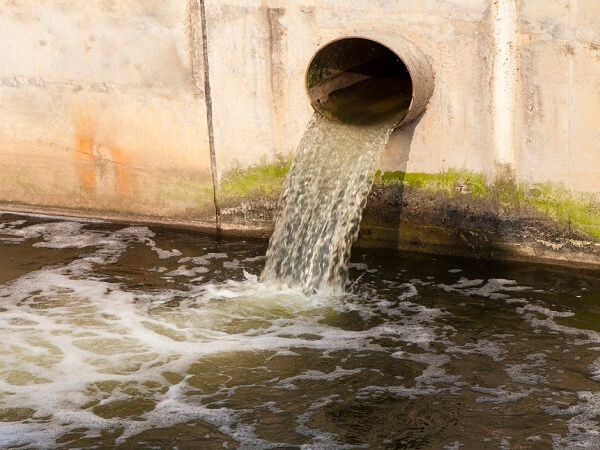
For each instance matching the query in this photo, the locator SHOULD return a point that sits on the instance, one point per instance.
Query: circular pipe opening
(357, 80)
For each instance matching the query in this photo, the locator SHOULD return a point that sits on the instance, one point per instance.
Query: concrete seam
(571, 64)
(209, 118)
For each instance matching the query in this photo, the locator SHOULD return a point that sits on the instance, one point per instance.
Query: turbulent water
(124, 336)
(322, 203)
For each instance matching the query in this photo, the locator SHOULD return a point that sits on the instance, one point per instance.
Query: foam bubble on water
(202, 260)
(253, 258)
(53, 233)
(73, 235)
(81, 330)
(164, 254)
(69, 330)
(494, 288)
(411, 291)
(545, 311)
(587, 336)
(425, 384)
(174, 409)
(594, 369)
(12, 224)
(521, 373)
(235, 264)
(336, 374)
(460, 285)
(501, 395)
(122, 343)
(362, 267)
(583, 429)
(183, 271)
(11, 240)
(453, 446)
(483, 347)
(504, 444)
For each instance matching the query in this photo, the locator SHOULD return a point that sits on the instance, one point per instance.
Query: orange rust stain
(84, 152)
(121, 164)
(90, 155)
(84, 155)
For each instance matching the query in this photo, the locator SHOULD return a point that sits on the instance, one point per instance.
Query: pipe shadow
(454, 220)
(382, 216)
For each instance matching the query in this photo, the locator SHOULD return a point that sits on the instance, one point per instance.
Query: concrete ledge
(442, 240)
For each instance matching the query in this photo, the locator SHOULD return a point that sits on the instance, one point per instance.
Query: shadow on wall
(464, 214)
(382, 215)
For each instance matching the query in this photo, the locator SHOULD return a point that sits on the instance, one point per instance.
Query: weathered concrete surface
(455, 212)
(102, 109)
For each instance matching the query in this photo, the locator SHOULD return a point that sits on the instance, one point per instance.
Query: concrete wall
(101, 106)
(103, 109)
(558, 119)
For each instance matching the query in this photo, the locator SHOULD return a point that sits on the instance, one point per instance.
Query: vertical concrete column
(504, 73)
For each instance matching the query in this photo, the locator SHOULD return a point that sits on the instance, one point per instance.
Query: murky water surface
(125, 336)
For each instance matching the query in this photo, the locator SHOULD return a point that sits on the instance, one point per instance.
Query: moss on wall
(577, 212)
(450, 182)
(257, 181)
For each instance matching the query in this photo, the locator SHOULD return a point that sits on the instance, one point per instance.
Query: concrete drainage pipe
(365, 80)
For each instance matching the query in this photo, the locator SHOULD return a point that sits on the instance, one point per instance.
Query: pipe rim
(376, 41)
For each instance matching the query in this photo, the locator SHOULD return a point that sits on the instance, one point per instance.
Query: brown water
(137, 338)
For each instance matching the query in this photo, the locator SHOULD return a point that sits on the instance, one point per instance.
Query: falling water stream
(322, 203)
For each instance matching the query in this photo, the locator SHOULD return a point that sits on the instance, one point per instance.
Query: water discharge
(322, 203)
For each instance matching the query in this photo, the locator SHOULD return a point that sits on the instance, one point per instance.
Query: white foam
(545, 311)
(453, 446)
(583, 429)
(411, 291)
(183, 271)
(235, 264)
(202, 260)
(316, 375)
(494, 288)
(254, 258)
(594, 369)
(484, 347)
(501, 395)
(362, 267)
(521, 373)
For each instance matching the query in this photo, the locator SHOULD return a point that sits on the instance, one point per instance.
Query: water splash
(322, 203)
